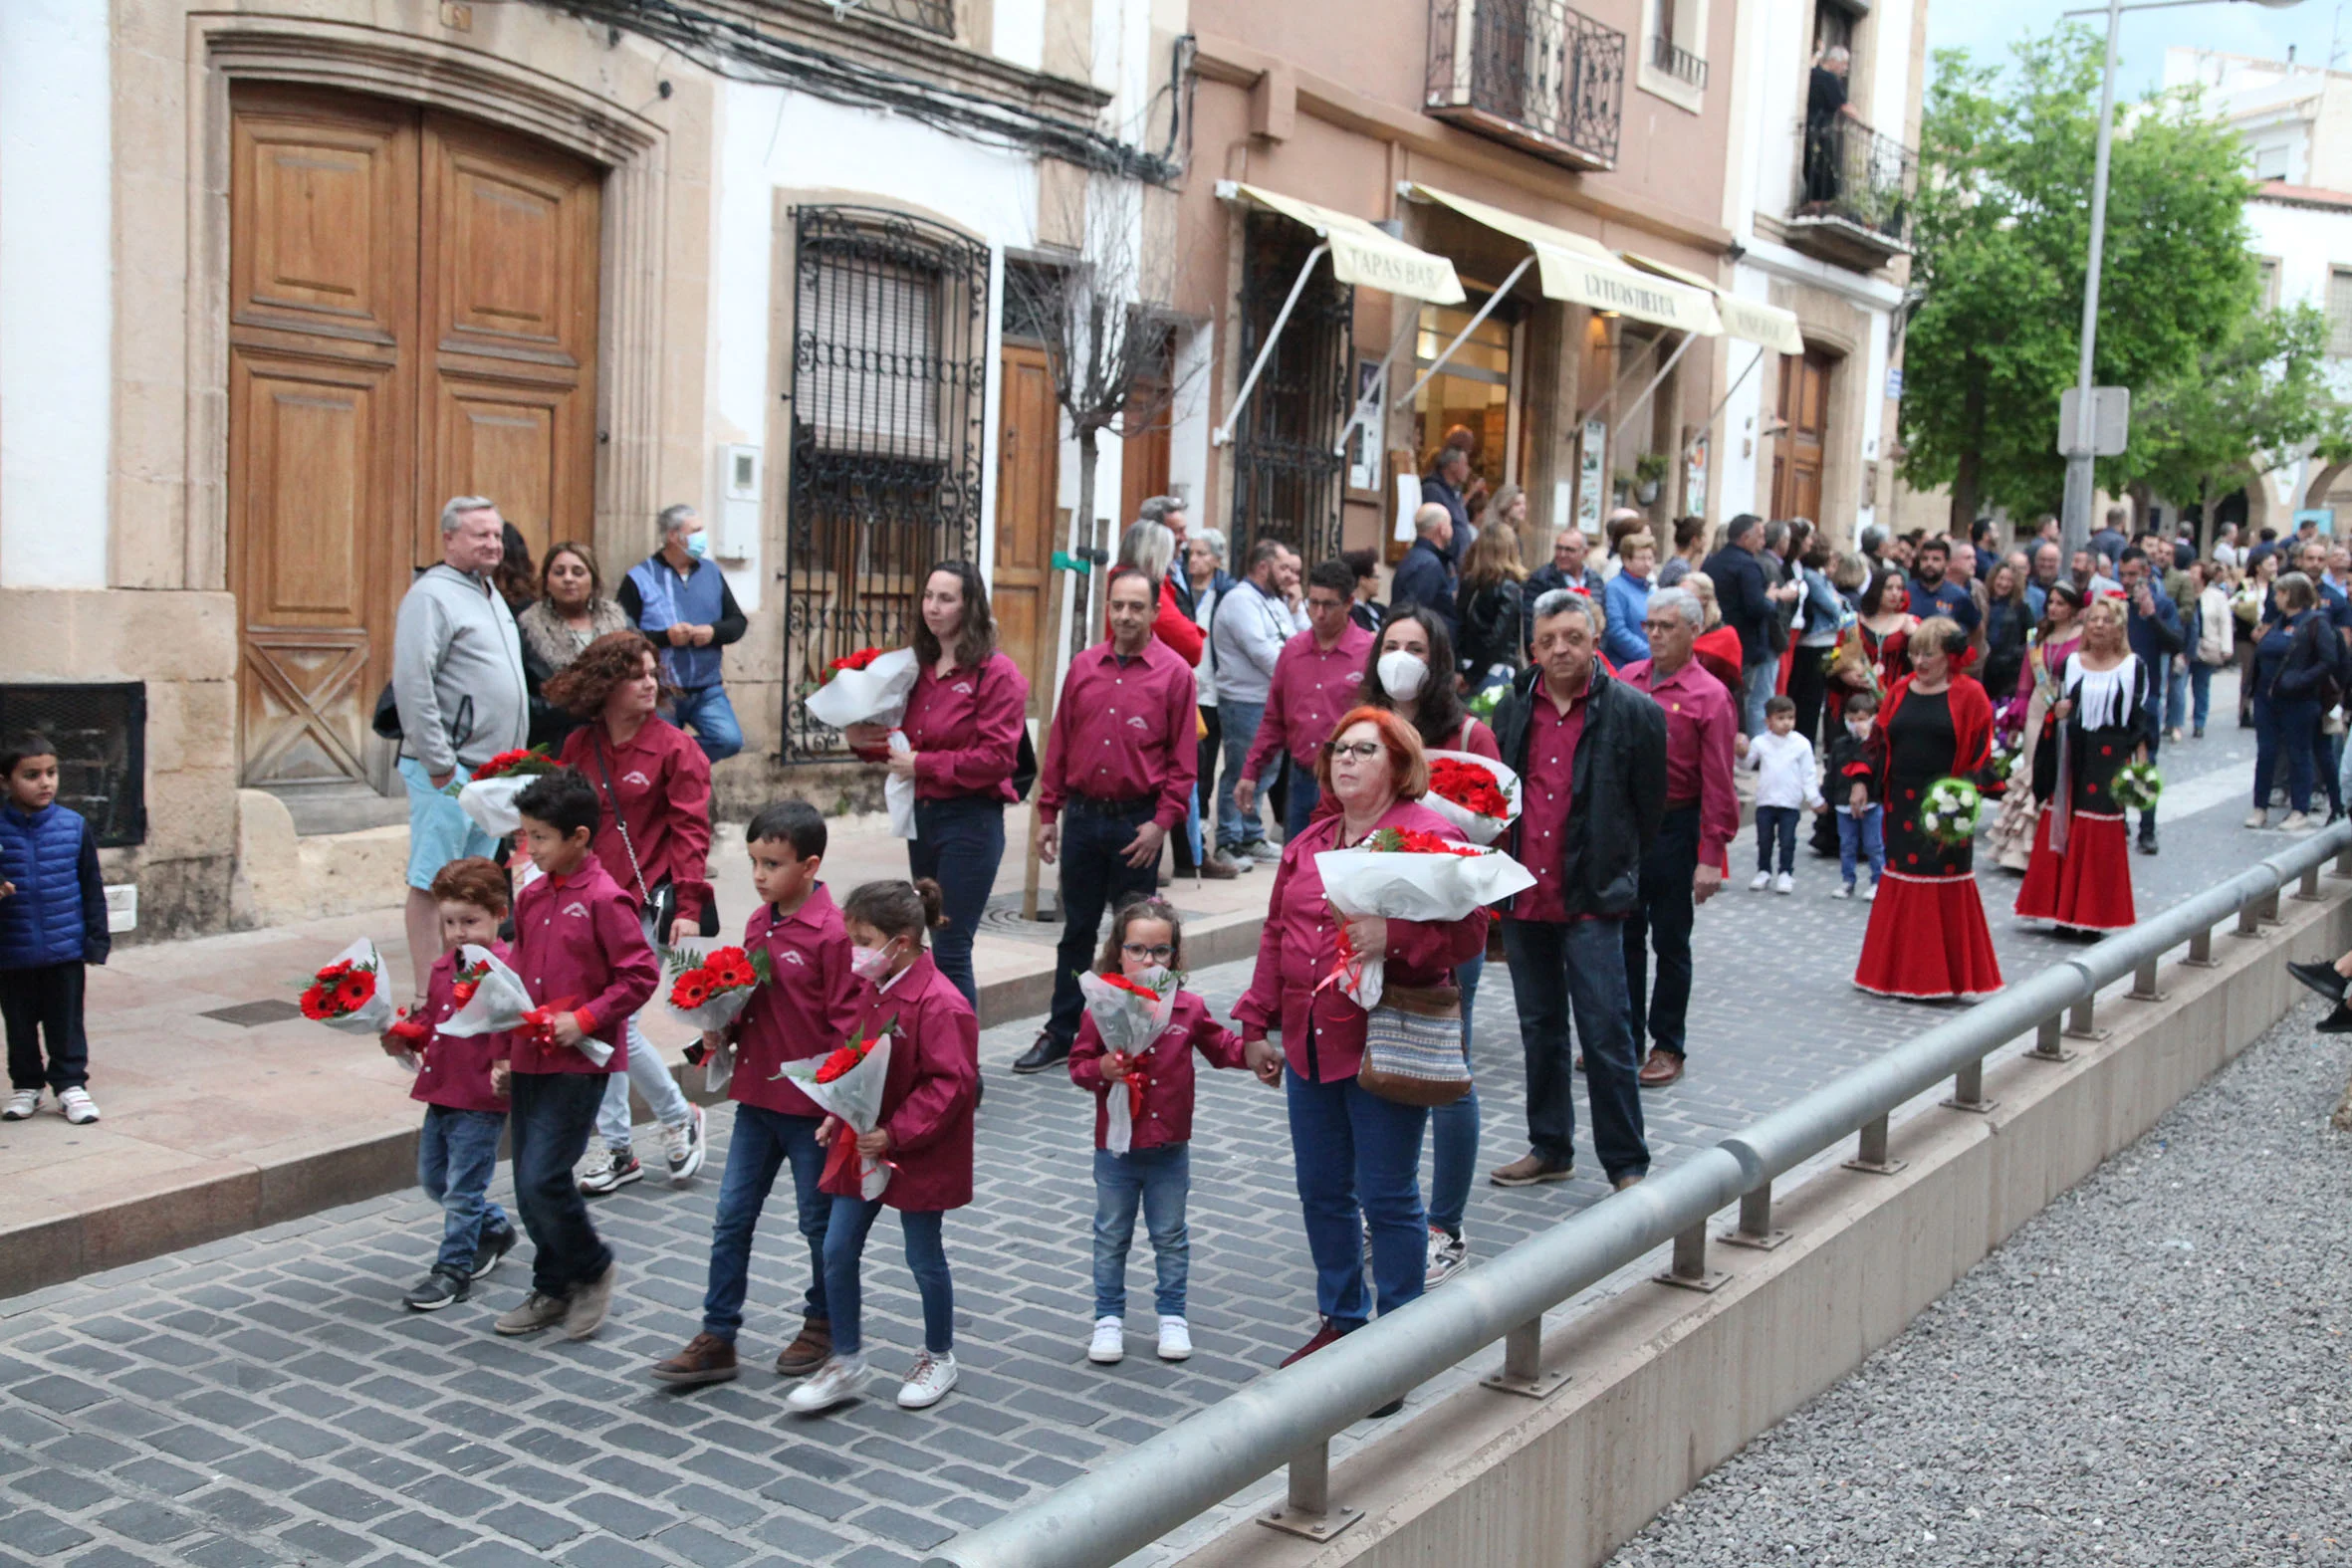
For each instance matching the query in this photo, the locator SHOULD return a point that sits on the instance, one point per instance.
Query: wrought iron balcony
(1678, 62)
(1854, 189)
(1532, 72)
(932, 16)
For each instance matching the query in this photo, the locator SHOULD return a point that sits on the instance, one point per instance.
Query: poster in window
(1363, 443)
(1592, 475)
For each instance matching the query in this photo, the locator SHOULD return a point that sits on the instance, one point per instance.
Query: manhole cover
(252, 1014)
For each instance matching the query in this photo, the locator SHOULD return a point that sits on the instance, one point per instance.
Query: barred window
(2339, 313)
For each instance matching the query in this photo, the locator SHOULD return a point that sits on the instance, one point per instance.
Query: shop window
(1473, 392)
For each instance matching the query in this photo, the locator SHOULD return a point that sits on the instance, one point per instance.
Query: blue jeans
(1756, 682)
(1358, 1159)
(2200, 687)
(1453, 1129)
(926, 1259)
(711, 716)
(958, 843)
(549, 1116)
(1777, 825)
(2285, 730)
(1238, 722)
(1160, 1180)
(1095, 877)
(1663, 919)
(456, 1155)
(1866, 833)
(764, 1142)
(1577, 968)
(655, 1084)
(2176, 696)
(1306, 795)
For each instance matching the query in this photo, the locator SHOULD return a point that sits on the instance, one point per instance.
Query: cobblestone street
(263, 1399)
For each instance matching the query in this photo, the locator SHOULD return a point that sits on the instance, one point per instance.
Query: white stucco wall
(56, 292)
(2308, 242)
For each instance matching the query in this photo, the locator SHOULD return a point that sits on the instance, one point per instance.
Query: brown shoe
(1528, 1169)
(811, 1350)
(1663, 1067)
(706, 1359)
(1219, 869)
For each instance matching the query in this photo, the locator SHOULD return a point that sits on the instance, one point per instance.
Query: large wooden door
(1027, 473)
(1798, 455)
(411, 316)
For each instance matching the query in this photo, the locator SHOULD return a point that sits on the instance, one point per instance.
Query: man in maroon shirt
(1319, 676)
(1685, 866)
(1117, 779)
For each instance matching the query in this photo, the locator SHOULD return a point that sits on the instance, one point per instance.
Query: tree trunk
(1081, 530)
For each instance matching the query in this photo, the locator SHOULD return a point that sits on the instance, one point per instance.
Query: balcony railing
(1854, 188)
(1532, 73)
(932, 16)
(1677, 62)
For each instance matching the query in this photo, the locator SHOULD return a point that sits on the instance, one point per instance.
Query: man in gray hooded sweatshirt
(457, 675)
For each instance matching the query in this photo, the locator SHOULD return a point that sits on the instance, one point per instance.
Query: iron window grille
(1850, 175)
(1536, 73)
(101, 735)
(889, 393)
(1287, 482)
(1677, 62)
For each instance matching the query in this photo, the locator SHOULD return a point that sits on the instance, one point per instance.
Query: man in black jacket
(1743, 592)
(1591, 753)
(1424, 575)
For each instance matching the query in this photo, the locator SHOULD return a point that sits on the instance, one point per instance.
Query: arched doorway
(412, 314)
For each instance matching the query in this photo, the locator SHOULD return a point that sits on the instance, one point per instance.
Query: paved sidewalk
(263, 1398)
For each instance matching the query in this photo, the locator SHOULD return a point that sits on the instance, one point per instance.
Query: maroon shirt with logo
(664, 785)
(1165, 1071)
(1124, 729)
(965, 730)
(929, 1091)
(580, 947)
(456, 1069)
(808, 1008)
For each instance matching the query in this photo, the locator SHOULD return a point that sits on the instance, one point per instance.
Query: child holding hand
(1155, 1173)
(1854, 782)
(457, 1151)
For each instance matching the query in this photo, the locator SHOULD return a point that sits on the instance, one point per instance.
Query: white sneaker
(683, 1145)
(1870, 894)
(1761, 881)
(1108, 1347)
(1843, 890)
(2259, 819)
(20, 1105)
(841, 1380)
(1785, 882)
(79, 1108)
(1447, 1255)
(1265, 850)
(2296, 822)
(928, 1383)
(1175, 1339)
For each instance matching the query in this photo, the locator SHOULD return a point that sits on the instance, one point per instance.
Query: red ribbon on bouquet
(842, 1159)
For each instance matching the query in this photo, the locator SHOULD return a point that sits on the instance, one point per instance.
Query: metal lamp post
(2075, 514)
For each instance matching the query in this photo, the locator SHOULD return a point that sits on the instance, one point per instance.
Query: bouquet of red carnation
(487, 795)
(850, 661)
(1402, 873)
(1476, 793)
(870, 686)
(709, 991)
(1130, 1015)
(349, 993)
(847, 1086)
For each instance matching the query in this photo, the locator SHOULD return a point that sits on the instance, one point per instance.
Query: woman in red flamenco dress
(1928, 941)
(2084, 881)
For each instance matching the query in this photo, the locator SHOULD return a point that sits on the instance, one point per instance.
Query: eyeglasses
(1361, 751)
(1160, 954)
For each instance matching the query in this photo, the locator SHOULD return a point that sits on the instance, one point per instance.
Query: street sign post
(2111, 420)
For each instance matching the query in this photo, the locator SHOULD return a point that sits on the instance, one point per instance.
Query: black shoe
(2147, 837)
(2321, 978)
(1385, 1411)
(2338, 1021)
(495, 1245)
(2196, 734)
(1046, 1052)
(442, 1287)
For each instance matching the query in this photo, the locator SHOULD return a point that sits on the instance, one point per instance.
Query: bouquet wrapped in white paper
(349, 993)
(1402, 874)
(709, 991)
(847, 1086)
(1130, 1015)
(501, 1003)
(874, 691)
(1477, 794)
(487, 797)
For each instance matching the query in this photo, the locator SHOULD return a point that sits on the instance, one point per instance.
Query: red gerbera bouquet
(850, 661)
(468, 979)
(847, 1086)
(1476, 793)
(348, 994)
(1405, 873)
(520, 762)
(488, 794)
(710, 991)
(837, 1065)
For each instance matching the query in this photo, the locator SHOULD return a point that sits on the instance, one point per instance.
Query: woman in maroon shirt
(1357, 1155)
(964, 722)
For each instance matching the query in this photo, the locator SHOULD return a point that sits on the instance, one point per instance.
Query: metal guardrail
(1289, 1416)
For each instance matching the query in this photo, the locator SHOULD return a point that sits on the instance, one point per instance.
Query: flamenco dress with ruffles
(2088, 885)
(1928, 941)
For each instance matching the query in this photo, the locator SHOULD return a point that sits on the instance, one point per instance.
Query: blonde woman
(1494, 637)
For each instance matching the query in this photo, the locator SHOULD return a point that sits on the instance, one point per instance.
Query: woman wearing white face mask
(1401, 677)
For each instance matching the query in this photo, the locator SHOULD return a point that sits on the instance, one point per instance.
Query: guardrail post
(2267, 909)
(2049, 1043)
(2144, 987)
(2250, 919)
(1308, 1510)
(2201, 951)
(2307, 890)
(2080, 1022)
(1873, 1156)
(1689, 1270)
(1968, 1090)
(2344, 861)
(1755, 1223)
(1522, 1365)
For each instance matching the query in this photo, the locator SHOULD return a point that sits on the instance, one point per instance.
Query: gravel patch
(2156, 1369)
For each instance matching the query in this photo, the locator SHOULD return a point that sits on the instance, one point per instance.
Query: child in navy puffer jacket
(53, 922)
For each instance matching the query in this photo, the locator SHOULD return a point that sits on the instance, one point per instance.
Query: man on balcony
(1825, 106)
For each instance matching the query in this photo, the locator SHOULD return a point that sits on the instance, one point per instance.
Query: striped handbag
(1413, 1046)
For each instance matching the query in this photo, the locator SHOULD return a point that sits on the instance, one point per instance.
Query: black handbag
(1025, 766)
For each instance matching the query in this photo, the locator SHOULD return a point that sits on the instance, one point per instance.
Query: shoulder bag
(661, 903)
(1413, 1046)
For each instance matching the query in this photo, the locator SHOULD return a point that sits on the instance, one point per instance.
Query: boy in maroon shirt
(808, 1007)
(457, 1151)
(582, 955)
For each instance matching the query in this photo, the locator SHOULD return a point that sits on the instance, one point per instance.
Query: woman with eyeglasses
(1357, 1155)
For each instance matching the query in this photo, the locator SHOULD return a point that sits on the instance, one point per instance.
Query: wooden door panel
(324, 202)
(1030, 440)
(311, 466)
(504, 443)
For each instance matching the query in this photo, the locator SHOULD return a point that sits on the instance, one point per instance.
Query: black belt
(1681, 805)
(1097, 806)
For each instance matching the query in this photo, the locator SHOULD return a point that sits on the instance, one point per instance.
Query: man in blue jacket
(2152, 628)
(681, 600)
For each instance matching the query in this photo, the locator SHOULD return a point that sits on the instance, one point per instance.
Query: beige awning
(1586, 271)
(1750, 320)
(1361, 253)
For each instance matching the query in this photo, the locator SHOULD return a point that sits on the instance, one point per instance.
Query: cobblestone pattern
(263, 1399)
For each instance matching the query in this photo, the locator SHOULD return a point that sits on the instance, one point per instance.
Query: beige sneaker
(538, 1311)
(585, 1312)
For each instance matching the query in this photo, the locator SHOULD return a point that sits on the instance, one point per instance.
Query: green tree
(2002, 238)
